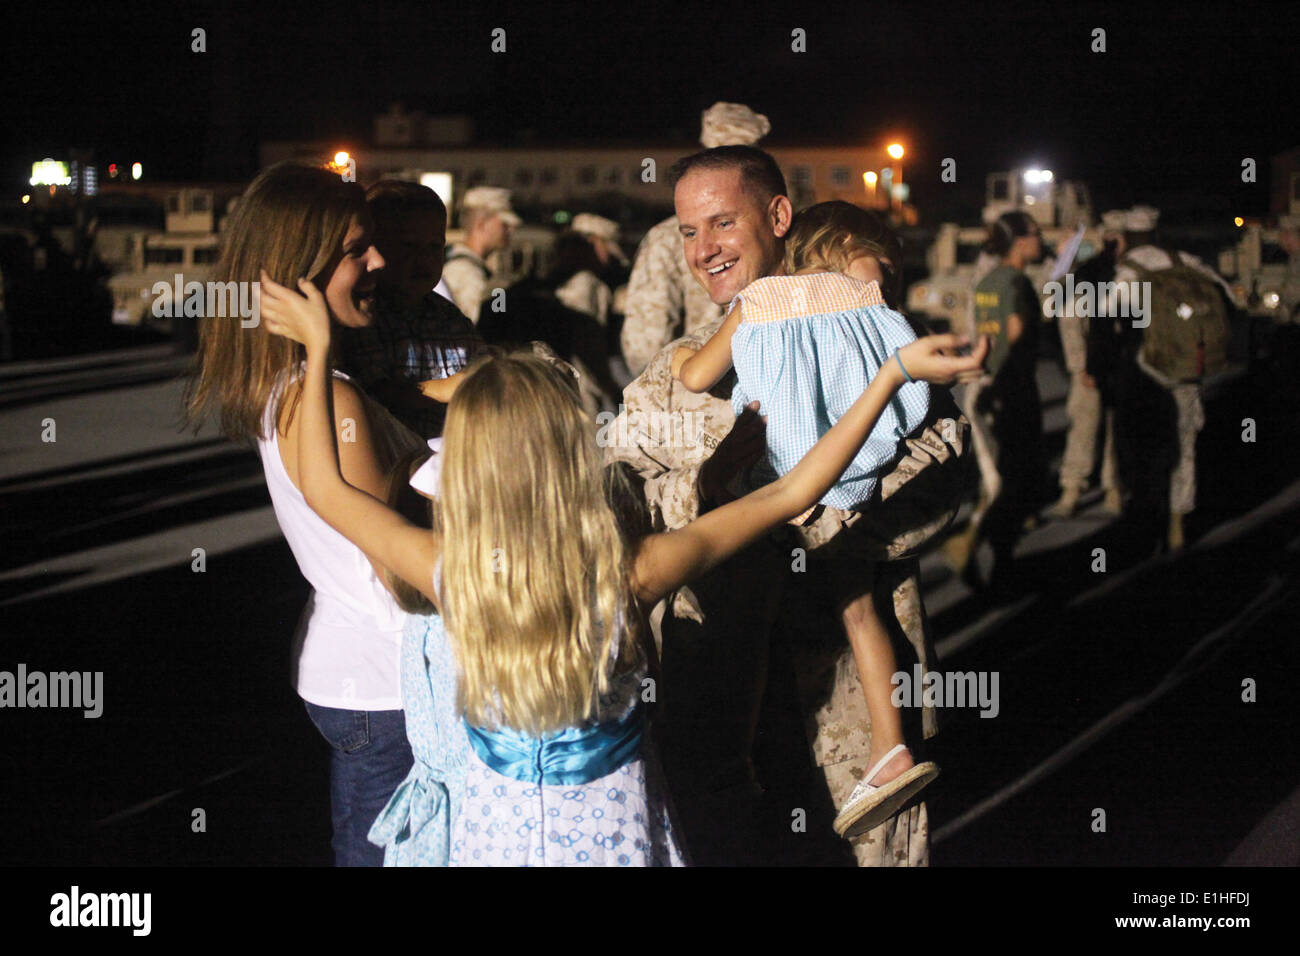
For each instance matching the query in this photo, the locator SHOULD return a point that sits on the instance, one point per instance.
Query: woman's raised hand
(303, 317)
(935, 358)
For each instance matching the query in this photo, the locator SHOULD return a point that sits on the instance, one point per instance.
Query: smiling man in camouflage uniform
(663, 301)
(686, 451)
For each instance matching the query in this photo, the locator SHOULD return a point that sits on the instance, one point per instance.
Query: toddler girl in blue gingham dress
(805, 346)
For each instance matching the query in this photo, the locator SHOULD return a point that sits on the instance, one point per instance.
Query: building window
(840, 176)
(477, 177)
(803, 175)
(523, 177)
(587, 175)
(205, 256)
(549, 176)
(163, 256)
(613, 176)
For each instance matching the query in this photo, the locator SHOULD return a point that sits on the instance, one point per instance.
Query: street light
(341, 158)
(869, 183)
(895, 151)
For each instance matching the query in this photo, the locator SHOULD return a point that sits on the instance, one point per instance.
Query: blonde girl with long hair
(542, 593)
(297, 220)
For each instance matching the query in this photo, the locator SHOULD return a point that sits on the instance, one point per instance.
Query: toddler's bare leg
(874, 656)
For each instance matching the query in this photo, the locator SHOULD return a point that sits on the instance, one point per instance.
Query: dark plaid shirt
(432, 341)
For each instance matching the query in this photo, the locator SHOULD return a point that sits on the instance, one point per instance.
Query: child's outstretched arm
(664, 562)
(700, 371)
(385, 536)
(442, 389)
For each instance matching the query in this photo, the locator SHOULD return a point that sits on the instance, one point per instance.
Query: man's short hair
(391, 199)
(760, 176)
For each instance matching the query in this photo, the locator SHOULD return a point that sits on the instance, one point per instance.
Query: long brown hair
(291, 221)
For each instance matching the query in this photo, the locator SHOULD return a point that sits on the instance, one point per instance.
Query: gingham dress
(806, 348)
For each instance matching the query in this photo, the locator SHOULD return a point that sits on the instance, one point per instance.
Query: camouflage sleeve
(655, 298)
(665, 433)
(467, 285)
(1123, 274)
(670, 484)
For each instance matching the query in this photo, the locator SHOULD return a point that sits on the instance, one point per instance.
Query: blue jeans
(369, 757)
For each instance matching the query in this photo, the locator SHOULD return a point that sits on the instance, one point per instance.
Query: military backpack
(1187, 335)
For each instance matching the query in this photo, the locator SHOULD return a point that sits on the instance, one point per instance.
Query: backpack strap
(487, 273)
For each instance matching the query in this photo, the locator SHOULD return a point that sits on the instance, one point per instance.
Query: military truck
(188, 248)
(945, 297)
(1256, 268)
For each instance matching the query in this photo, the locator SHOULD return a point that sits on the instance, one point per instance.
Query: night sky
(1180, 96)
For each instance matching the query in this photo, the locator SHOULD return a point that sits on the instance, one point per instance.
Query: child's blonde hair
(534, 578)
(832, 234)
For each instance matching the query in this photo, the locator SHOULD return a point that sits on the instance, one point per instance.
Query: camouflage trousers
(839, 727)
(1084, 408)
(714, 673)
(1191, 419)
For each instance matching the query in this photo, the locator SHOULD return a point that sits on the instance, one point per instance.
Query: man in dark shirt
(417, 336)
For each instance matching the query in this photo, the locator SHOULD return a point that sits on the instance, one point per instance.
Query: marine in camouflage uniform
(1083, 406)
(720, 624)
(1186, 396)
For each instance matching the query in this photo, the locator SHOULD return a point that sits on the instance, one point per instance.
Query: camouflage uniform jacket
(663, 298)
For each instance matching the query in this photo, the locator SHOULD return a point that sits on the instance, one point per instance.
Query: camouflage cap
(1141, 219)
(732, 124)
(589, 224)
(1113, 220)
(491, 199)
(598, 227)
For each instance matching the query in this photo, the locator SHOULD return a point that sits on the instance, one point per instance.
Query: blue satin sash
(569, 757)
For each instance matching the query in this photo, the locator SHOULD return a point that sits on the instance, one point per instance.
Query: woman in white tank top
(298, 221)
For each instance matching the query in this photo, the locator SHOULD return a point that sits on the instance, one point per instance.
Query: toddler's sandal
(869, 806)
